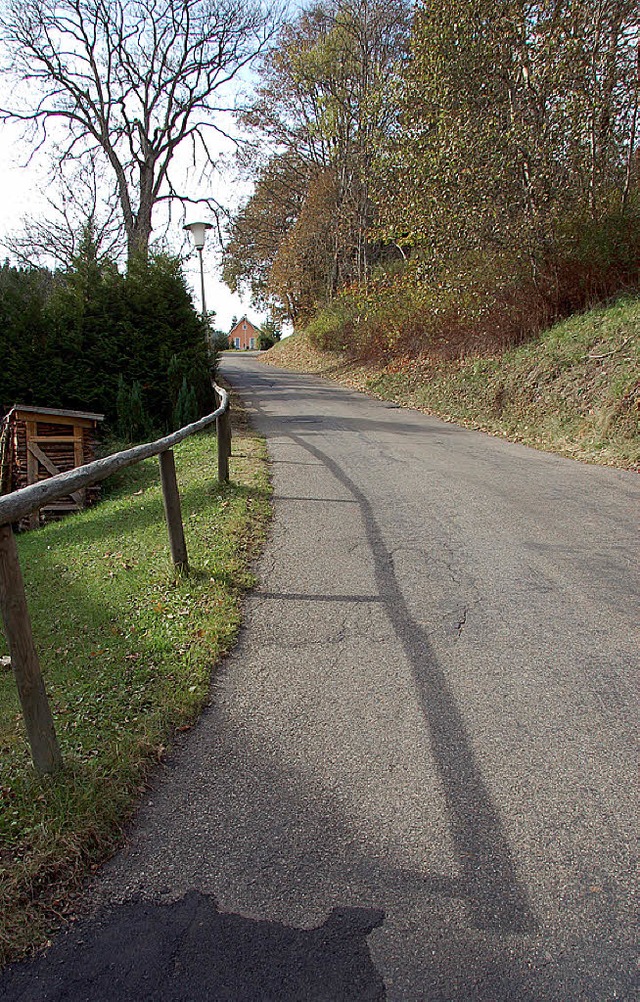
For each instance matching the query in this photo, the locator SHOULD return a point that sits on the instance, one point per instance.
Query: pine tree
(186, 408)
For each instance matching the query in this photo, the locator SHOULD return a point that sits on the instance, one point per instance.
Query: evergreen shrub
(83, 339)
(186, 408)
(133, 422)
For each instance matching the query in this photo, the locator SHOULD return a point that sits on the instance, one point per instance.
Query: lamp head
(198, 231)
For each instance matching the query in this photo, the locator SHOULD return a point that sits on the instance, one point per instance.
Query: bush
(23, 334)
(186, 408)
(486, 301)
(220, 341)
(133, 421)
(334, 326)
(265, 341)
(68, 338)
(270, 334)
(592, 261)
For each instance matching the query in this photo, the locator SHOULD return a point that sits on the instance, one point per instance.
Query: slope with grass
(127, 649)
(574, 390)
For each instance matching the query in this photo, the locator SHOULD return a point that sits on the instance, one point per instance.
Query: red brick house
(244, 335)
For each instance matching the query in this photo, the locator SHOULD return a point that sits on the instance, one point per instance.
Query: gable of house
(244, 335)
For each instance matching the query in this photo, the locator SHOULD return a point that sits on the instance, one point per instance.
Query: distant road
(416, 781)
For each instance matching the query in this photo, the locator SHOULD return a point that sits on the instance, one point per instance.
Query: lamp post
(198, 232)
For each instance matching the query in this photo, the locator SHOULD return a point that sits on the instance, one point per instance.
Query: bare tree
(326, 100)
(131, 81)
(79, 206)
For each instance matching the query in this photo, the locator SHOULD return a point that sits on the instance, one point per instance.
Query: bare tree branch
(130, 80)
(80, 207)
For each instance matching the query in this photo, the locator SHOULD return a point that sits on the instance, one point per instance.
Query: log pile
(39, 442)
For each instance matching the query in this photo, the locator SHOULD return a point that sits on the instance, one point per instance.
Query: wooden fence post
(38, 721)
(227, 417)
(172, 511)
(223, 432)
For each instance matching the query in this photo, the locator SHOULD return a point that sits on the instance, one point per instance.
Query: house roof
(243, 320)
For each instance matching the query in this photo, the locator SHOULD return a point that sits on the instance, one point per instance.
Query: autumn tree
(518, 127)
(324, 99)
(263, 222)
(129, 81)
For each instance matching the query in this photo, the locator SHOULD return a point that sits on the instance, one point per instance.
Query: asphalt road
(416, 778)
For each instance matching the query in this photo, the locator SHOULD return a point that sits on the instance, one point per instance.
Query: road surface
(416, 778)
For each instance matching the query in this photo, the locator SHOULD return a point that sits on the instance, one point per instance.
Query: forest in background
(427, 178)
(441, 178)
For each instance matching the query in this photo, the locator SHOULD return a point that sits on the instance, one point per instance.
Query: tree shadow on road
(495, 896)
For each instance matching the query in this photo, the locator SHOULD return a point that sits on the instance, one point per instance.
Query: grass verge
(127, 649)
(574, 390)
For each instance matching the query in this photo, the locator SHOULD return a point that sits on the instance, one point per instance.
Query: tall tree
(518, 121)
(324, 100)
(78, 206)
(131, 80)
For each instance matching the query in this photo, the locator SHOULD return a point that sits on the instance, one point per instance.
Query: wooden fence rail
(45, 750)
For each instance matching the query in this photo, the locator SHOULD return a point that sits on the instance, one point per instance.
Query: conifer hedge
(86, 338)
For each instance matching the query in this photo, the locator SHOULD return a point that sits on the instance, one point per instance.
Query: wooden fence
(38, 720)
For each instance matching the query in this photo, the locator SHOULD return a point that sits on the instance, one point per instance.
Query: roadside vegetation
(440, 185)
(575, 389)
(93, 337)
(127, 650)
(437, 186)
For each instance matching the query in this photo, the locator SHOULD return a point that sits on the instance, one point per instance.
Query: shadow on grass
(130, 515)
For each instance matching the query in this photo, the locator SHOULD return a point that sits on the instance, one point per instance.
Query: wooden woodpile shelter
(37, 443)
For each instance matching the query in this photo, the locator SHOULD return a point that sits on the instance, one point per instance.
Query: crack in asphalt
(461, 623)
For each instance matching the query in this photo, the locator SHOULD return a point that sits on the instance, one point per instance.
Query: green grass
(573, 390)
(127, 648)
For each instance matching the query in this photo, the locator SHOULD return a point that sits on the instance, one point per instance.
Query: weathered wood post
(38, 721)
(223, 432)
(172, 510)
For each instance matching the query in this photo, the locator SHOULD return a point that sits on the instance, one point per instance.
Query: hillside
(574, 390)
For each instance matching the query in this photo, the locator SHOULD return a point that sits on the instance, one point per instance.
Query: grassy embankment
(574, 390)
(127, 650)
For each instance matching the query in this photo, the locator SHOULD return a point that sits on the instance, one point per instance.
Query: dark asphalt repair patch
(188, 951)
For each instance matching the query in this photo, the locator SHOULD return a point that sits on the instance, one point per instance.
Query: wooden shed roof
(54, 412)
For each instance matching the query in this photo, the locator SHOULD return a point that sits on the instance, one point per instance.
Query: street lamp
(198, 232)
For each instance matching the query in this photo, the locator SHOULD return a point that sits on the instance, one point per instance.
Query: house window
(244, 327)
(237, 342)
